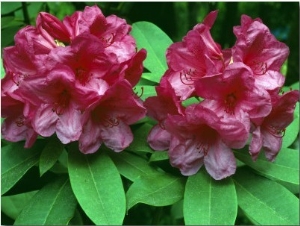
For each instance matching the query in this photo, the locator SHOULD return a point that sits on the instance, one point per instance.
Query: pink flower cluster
(73, 78)
(237, 99)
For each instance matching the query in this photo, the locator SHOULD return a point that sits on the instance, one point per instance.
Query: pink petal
(256, 143)
(186, 157)
(45, 120)
(68, 127)
(117, 137)
(220, 161)
(90, 138)
(271, 145)
(159, 139)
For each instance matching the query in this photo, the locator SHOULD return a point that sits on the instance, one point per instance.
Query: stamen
(62, 103)
(20, 121)
(111, 122)
(17, 78)
(108, 41)
(230, 103)
(203, 147)
(259, 68)
(188, 76)
(279, 133)
(136, 93)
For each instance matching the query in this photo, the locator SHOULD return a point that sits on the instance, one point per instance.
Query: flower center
(20, 121)
(62, 102)
(101, 116)
(188, 77)
(230, 103)
(259, 68)
(59, 43)
(206, 136)
(107, 41)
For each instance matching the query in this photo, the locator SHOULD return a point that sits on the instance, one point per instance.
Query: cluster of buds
(236, 95)
(74, 78)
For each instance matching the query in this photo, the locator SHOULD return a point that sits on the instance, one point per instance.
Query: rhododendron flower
(201, 137)
(269, 131)
(158, 107)
(261, 51)
(108, 119)
(235, 88)
(234, 93)
(193, 58)
(60, 71)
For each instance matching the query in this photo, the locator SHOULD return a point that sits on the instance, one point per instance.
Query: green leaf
(131, 166)
(156, 47)
(292, 130)
(2, 72)
(10, 21)
(265, 201)
(159, 156)
(13, 205)
(140, 134)
(156, 190)
(53, 204)
(7, 7)
(16, 161)
(50, 154)
(284, 168)
(209, 202)
(97, 186)
(151, 77)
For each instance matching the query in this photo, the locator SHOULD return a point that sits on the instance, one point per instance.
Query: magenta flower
(193, 58)
(17, 113)
(59, 71)
(201, 137)
(268, 132)
(234, 94)
(158, 108)
(107, 120)
(261, 51)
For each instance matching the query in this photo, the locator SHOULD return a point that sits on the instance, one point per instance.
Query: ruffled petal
(186, 157)
(159, 139)
(220, 161)
(116, 137)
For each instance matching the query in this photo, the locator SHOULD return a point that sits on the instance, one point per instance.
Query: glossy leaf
(140, 133)
(156, 47)
(7, 7)
(209, 202)
(131, 166)
(54, 204)
(50, 154)
(97, 186)
(292, 130)
(265, 201)
(16, 161)
(13, 205)
(151, 77)
(284, 168)
(156, 190)
(159, 156)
